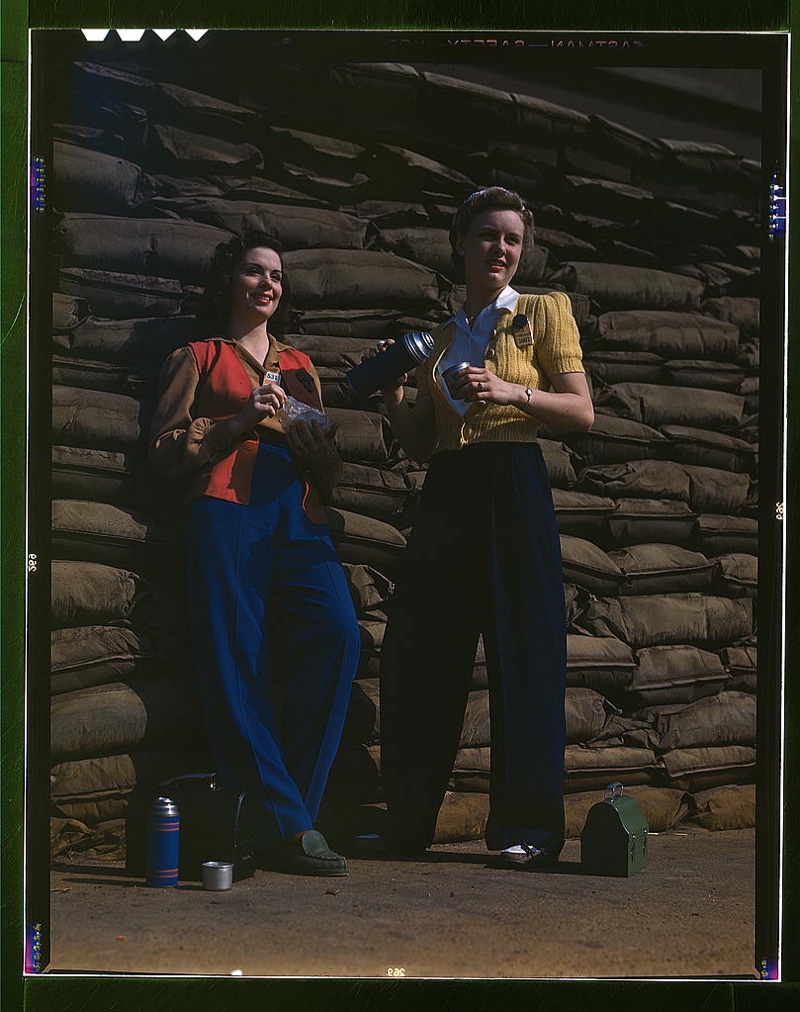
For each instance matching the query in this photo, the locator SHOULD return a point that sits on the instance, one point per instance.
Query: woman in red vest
(264, 580)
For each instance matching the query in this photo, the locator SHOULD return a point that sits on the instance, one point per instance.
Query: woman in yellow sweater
(484, 555)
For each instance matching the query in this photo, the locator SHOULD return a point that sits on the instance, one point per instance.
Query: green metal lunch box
(614, 838)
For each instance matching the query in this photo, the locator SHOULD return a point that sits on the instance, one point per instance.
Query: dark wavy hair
(214, 306)
(492, 198)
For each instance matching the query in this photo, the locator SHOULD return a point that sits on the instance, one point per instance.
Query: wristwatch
(528, 394)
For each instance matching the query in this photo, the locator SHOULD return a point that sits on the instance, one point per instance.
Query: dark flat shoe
(309, 854)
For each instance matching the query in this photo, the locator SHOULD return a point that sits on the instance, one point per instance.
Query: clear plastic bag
(295, 411)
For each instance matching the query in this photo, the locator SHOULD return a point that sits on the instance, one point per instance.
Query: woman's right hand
(393, 391)
(264, 402)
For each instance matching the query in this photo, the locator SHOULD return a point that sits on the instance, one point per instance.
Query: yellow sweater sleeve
(556, 337)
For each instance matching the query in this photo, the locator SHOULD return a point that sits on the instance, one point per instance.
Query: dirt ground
(689, 913)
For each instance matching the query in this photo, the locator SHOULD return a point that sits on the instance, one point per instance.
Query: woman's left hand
(310, 441)
(476, 383)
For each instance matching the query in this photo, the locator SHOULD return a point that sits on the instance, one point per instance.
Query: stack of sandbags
(358, 170)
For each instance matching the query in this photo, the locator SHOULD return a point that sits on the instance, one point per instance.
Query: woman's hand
(310, 441)
(392, 393)
(264, 402)
(476, 383)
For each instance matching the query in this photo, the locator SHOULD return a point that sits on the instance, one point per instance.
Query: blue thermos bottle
(161, 843)
(402, 356)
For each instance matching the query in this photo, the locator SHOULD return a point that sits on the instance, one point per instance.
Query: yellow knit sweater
(513, 357)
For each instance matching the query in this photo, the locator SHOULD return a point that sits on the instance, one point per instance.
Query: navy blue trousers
(483, 557)
(263, 581)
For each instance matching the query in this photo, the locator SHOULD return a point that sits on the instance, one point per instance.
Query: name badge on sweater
(272, 377)
(521, 328)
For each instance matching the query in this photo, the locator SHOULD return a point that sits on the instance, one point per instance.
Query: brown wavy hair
(214, 306)
(492, 198)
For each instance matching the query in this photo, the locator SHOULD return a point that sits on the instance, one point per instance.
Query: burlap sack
(363, 437)
(623, 366)
(427, 246)
(559, 462)
(165, 248)
(605, 198)
(677, 674)
(118, 295)
(729, 806)
(592, 769)
(138, 342)
(471, 770)
(736, 575)
(111, 535)
(671, 335)
(688, 445)
(363, 722)
(588, 566)
(655, 620)
(699, 769)
(636, 521)
(84, 180)
(656, 405)
(741, 663)
(601, 663)
(115, 718)
(369, 325)
(121, 479)
(662, 569)
(703, 374)
(111, 377)
(703, 488)
(369, 589)
(373, 492)
(100, 420)
(366, 541)
(614, 440)
(87, 593)
(742, 312)
(725, 719)
(722, 535)
(318, 151)
(67, 312)
(205, 114)
(462, 816)
(172, 149)
(581, 514)
(96, 654)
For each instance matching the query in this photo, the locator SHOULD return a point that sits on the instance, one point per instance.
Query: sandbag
(635, 521)
(344, 279)
(462, 816)
(471, 770)
(111, 535)
(206, 114)
(699, 769)
(94, 790)
(623, 366)
(107, 476)
(172, 149)
(585, 712)
(139, 342)
(411, 172)
(366, 541)
(115, 718)
(662, 569)
(702, 374)
(369, 589)
(67, 312)
(330, 352)
(703, 488)
(687, 445)
(110, 377)
(616, 286)
(736, 575)
(580, 513)
(606, 198)
(743, 312)
(729, 806)
(84, 180)
(96, 654)
(87, 593)
(588, 566)
(673, 675)
(601, 663)
(363, 436)
(725, 719)
(373, 492)
(99, 420)
(657, 405)
(327, 186)
(558, 461)
(592, 769)
(655, 620)
(668, 334)
(721, 535)
(614, 440)
(741, 663)
(166, 248)
(369, 325)
(427, 246)
(318, 151)
(295, 227)
(117, 296)
(661, 807)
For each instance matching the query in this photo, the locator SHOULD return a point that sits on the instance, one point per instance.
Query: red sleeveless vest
(223, 389)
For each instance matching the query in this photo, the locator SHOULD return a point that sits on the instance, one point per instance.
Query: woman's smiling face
(491, 248)
(256, 284)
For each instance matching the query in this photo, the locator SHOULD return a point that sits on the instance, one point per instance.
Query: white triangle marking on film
(130, 34)
(164, 33)
(196, 33)
(95, 34)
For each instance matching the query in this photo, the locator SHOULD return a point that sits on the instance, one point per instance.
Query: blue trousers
(263, 581)
(483, 557)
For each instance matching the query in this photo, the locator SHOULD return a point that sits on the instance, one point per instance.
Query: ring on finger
(480, 385)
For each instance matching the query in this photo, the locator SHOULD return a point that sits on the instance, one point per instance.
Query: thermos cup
(405, 354)
(161, 843)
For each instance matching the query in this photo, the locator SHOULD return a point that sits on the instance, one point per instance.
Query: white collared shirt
(469, 343)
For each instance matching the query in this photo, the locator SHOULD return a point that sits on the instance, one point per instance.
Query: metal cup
(449, 376)
(217, 875)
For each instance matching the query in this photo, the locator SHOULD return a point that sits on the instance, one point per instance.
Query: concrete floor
(689, 913)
